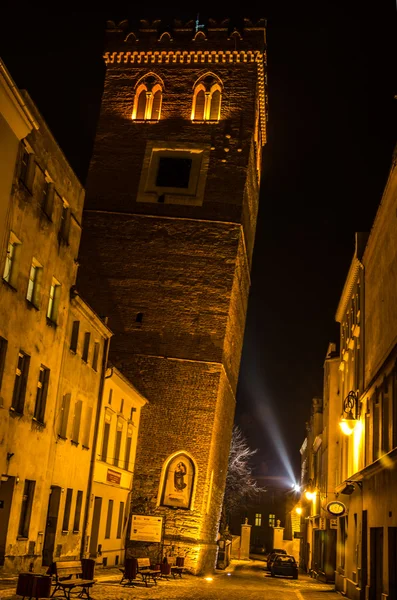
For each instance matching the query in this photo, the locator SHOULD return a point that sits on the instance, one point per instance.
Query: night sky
(331, 133)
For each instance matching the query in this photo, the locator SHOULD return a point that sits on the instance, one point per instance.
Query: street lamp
(350, 409)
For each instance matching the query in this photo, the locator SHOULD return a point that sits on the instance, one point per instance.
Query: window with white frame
(207, 96)
(174, 174)
(10, 272)
(148, 98)
(53, 301)
(34, 283)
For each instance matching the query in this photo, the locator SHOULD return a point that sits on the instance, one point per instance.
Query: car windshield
(286, 559)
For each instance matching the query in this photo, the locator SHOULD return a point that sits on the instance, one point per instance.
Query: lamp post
(350, 409)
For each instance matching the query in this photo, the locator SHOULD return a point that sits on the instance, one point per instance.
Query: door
(6, 492)
(96, 517)
(51, 525)
(392, 551)
(364, 552)
(376, 542)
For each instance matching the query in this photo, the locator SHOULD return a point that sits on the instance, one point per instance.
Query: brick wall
(174, 279)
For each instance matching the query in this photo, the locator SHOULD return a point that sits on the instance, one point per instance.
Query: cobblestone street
(241, 581)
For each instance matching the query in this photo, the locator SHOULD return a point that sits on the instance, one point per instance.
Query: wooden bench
(69, 575)
(176, 565)
(147, 571)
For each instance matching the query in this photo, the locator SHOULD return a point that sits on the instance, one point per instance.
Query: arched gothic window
(148, 99)
(207, 97)
(178, 482)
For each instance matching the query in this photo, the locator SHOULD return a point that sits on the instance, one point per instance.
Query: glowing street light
(350, 409)
(298, 510)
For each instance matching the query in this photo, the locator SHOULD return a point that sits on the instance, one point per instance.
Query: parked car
(273, 553)
(285, 565)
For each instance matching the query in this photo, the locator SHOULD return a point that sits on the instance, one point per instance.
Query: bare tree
(240, 483)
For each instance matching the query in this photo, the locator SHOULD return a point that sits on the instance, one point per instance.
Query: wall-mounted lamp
(298, 510)
(350, 409)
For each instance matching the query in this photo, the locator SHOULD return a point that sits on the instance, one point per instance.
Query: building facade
(173, 194)
(114, 467)
(38, 263)
(72, 453)
(367, 535)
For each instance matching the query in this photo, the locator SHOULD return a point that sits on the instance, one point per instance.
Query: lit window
(207, 99)
(21, 378)
(41, 394)
(148, 99)
(53, 301)
(258, 519)
(11, 264)
(34, 284)
(272, 520)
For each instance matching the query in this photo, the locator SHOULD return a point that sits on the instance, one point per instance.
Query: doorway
(376, 543)
(51, 525)
(6, 492)
(96, 517)
(392, 552)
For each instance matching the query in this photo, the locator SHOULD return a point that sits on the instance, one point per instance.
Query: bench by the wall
(148, 571)
(68, 576)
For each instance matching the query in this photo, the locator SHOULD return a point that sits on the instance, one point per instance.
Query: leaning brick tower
(169, 229)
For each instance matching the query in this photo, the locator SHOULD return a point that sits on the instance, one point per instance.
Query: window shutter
(141, 105)
(199, 106)
(76, 421)
(156, 107)
(215, 105)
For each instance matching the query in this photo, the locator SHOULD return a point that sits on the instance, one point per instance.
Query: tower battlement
(191, 35)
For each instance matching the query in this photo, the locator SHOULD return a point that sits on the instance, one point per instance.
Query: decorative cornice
(199, 57)
(348, 289)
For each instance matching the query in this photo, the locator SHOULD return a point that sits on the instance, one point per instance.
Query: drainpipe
(94, 444)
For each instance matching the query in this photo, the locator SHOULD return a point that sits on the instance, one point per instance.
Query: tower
(169, 230)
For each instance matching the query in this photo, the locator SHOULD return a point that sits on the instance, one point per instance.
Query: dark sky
(332, 129)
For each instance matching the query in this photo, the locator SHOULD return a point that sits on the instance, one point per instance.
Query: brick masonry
(174, 279)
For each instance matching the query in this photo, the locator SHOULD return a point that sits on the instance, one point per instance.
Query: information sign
(146, 529)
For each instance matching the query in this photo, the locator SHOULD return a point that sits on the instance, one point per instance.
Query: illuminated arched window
(148, 99)
(178, 482)
(207, 99)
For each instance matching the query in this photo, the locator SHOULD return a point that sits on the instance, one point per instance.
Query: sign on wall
(336, 508)
(113, 476)
(146, 529)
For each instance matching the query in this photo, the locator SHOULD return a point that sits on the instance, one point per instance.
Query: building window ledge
(85, 447)
(65, 531)
(8, 284)
(31, 305)
(15, 412)
(74, 443)
(51, 323)
(38, 422)
(145, 120)
(21, 538)
(61, 437)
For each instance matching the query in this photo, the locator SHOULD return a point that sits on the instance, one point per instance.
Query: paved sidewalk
(242, 580)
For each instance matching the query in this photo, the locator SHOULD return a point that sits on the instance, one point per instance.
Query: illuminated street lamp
(350, 409)
(298, 510)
